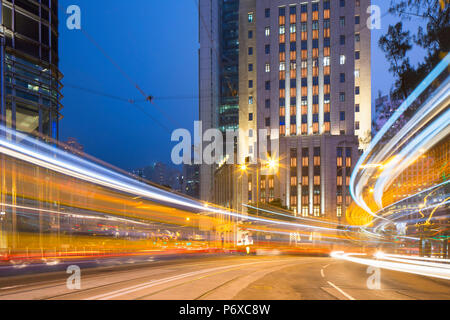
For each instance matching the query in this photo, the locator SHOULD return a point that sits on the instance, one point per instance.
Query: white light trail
(428, 271)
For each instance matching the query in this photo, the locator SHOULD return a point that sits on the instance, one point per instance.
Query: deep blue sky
(156, 44)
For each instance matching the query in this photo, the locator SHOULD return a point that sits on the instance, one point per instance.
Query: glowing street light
(272, 164)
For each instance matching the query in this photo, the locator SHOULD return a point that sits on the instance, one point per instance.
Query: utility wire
(148, 98)
(95, 43)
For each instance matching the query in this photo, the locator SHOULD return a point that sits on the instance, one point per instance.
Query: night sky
(156, 44)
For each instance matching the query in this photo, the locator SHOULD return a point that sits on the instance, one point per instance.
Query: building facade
(218, 75)
(304, 101)
(30, 79)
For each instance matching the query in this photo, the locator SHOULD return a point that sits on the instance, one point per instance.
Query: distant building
(161, 174)
(191, 180)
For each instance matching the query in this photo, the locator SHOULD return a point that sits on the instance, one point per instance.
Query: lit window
(316, 180)
(304, 27)
(316, 211)
(293, 181)
(250, 100)
(342, 59)
(250, 17)
(267, 67)
(292, 28)
(357, 73)
(282, 29)
(282, 66)
(339, 211)
(267, 31)
(293, 162)
(326, 61)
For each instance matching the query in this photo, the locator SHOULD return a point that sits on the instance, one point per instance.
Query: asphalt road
(227, 278)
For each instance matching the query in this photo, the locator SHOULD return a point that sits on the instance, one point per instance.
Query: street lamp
(272, 164)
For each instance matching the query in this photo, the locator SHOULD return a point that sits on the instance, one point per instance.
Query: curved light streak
(356, 189)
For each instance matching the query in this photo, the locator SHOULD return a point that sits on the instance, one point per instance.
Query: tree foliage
(433, 37)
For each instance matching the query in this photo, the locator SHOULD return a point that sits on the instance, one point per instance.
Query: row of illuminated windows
(303, 10)
(304, 33)
(340, 156)
(305, 211)
(339, 199)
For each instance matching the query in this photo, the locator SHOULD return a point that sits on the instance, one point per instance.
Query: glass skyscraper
(30, 79)
(229, 67)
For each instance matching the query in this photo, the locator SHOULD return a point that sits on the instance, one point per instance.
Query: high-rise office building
(304, 77)
(219, 74)
(30, 79)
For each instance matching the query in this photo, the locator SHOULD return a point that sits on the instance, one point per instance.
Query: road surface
(228, 278)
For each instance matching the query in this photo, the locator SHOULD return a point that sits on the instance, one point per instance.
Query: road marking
(321, 272)
(121, 292)
(341, 291)
(326, 266)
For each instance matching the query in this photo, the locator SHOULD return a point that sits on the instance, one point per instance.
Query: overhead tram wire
(108, 95)
(148, 98)
(95, 43)
(130, 101)
(99, 93)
